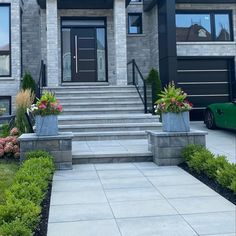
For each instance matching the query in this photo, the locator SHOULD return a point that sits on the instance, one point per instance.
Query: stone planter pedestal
(166, 147)
(59, 146)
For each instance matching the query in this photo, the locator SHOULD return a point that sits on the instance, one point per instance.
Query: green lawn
(7, 173)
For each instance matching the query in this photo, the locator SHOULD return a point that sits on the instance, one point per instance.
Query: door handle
(76, 54)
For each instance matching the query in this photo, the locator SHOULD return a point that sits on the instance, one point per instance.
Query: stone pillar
(120, 42)
(52, 43)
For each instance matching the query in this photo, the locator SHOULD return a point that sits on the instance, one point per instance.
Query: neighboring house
(191, 43)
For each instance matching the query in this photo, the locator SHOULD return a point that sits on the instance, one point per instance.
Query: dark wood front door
(84, 55)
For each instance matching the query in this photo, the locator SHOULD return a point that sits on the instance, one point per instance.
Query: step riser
(93, 94)
(99, 89)
(98, 99)
(117, 159)
(98, 121)
(72, 106)
(101, 112)
(107, 129)
(109, 137)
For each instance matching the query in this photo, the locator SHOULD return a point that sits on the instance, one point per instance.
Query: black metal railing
(42, 82)
(136, 78)
(145, 90)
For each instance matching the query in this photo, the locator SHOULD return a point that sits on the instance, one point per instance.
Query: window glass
(5, 104)
(193, 27)
(4, 28)
(222, 27)
(135, 23)
(101, 54)
(66, 55)
(4, 65)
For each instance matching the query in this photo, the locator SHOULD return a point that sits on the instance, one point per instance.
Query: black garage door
(205, 81)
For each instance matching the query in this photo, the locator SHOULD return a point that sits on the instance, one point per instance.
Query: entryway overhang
(81, 4)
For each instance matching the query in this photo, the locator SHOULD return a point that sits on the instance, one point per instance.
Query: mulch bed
(43, 226)
(226, 193)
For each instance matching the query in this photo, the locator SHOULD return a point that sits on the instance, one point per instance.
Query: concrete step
(61, 94)
(101, 104)
(110, 127)
(109, 135)
(73, 99)
(112, 158)
(107, 119)
(109, 110)
(111, 151)
(91, 88)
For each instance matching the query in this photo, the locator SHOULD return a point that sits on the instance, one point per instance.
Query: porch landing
(136, 199)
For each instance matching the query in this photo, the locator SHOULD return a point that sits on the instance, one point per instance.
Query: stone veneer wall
(9, 86)
(208, 48)
(31, 43)
(138, 45)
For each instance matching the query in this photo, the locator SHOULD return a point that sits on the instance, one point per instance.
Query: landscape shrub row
(20, 215)
(202, 161)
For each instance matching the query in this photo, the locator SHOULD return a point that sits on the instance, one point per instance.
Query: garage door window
(203, 26)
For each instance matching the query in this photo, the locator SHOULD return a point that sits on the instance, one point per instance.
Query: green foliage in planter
(5, 131)
(217, 168)
(28, 82)
(154, 79)
(21, 213)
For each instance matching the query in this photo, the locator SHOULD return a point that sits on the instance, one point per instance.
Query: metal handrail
(42, 79)
(144, 99)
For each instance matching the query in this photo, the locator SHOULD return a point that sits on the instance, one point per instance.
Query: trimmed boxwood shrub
(201, 160)
(21, 213)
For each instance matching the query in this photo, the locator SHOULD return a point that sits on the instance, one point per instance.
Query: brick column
(52, 43)
(120, 42)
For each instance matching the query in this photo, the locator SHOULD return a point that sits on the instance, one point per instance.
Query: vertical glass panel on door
(4, 65)
(193, 27)
(101, 54)
(222, 27)
(66, 55)
(4, 28)
(5, 104)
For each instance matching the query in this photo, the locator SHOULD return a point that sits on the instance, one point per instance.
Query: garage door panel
(205, 89)
(202, 64)
(207, 100)
(184, 77)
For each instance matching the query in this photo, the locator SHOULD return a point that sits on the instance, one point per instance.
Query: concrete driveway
(220, 142)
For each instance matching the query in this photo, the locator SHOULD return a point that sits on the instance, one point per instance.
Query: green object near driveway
(221, 115)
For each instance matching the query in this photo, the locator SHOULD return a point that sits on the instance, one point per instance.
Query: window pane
(193, 27)
(101, 54)
(4, 65)
(66, 55)
(222, 27)
(135, 24)
(4, 28)
(4, 106)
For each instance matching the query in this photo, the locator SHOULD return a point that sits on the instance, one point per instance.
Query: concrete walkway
(136, 199)
(219, 141)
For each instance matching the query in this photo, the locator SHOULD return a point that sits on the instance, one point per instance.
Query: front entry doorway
(84, 51)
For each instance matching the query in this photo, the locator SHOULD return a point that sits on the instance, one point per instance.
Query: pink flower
(14, 132)
(42, 106)
(17, 155)
(8, 148)
(16, 149)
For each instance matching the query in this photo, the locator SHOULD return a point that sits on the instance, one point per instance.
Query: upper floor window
(136, 1)
(135, 23)
(4, 40)
(205, 26)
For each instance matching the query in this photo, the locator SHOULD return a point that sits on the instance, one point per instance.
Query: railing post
(133, 71)
(145, 96)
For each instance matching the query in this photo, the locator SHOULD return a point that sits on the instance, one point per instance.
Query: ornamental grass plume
(24, 100)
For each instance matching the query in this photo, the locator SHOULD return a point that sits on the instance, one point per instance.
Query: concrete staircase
(97, 114)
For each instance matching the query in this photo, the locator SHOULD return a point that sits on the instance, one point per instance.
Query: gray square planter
(175, 122)
(46, 125)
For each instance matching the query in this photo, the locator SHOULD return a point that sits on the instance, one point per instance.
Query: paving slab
(155, 226)
(136, 199)
(213, 223)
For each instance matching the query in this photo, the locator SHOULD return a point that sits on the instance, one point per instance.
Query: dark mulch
(225, 192)
(43, 226)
